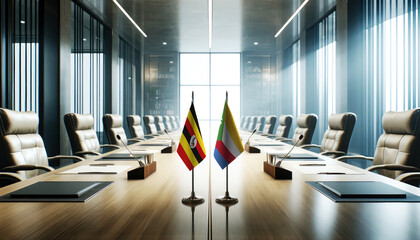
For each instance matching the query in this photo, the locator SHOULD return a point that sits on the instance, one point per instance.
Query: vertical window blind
(129, 69)
(325, 70)
(392, 60)
(23, 55)
(87, 66)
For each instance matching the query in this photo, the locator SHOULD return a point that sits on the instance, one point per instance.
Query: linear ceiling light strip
(129, 18)
(291, 18)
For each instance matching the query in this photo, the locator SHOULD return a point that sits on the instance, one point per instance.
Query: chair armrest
(343, 158)
(83, 153)
(407, 177)
(310, 145)
(17, 168)
(59, 157)
(394, 167)
(10, 177)
(110, 146)
(336, 153)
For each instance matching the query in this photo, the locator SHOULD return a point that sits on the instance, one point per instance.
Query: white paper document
(105, 169)
(326, 170)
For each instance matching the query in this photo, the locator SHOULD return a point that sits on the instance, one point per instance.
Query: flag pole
(193, 199)
(227, 199)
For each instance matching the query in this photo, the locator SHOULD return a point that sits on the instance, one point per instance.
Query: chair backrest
(270, 123)
(134, 126)
(306, 124)
(260, 123)
(253, 123)
(285, 123)
(167, 123)
(337, 137)
(173, 122)
(242, 122)
(20, 142)
(149, 124)
(177, 123)
(81, 134)
(247, 122)
(399, 144)
(113, 126)
(159, 123)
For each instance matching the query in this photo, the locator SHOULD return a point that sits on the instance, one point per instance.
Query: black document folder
(54, 190)
(358, 189)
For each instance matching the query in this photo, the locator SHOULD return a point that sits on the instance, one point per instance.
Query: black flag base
(226, 200)
(193, 200)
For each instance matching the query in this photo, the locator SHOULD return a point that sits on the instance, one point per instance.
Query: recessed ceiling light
(22, 22)
(84, 39)
(171, 62)
(291, 18)
(255, 43)
(129, 18)
(164, 43)
(249, 62)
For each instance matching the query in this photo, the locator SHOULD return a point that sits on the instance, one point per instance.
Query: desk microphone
(285, 156)
(134, 156)
(251, 135)
(166, 131)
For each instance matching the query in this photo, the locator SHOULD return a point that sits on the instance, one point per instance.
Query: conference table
(152, 209)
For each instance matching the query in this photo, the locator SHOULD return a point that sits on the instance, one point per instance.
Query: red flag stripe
(227, 155)
(189, 127)
(184, 157)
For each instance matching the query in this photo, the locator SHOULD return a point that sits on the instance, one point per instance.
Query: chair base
(277, 172)
(142, 172)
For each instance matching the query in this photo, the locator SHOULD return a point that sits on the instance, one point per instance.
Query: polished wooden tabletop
(152, 208)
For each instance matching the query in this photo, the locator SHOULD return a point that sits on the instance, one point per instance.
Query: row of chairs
(22, 150)
(397, 153)
(155, 124)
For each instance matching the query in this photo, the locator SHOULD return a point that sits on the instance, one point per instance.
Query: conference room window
(326, 70)
(22, 55)
(210, 76)
(129, 71)
(291, 83)
(87, 66)
(392, 59)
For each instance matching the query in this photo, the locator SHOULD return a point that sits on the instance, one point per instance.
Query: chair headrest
(148, 119)
(14, 122)
(135, 119)
(305, 120)
(260, 119)
(271, 119)
(114, 120)
(158, 119)
(405, 122)
(82, 121)
(339, 121)
(285, 120)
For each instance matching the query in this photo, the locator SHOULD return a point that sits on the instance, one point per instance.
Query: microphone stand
(248, 146)
(277, 164)
(142, 164)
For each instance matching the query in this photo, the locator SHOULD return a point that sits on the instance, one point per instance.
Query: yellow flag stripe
(197, 133)
(233, 131)
(186, 146)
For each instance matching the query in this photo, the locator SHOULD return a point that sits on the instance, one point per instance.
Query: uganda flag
(191, 147)
(228, 144)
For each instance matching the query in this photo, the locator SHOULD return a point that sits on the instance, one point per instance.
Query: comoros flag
(191, 147)
(228, 144)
